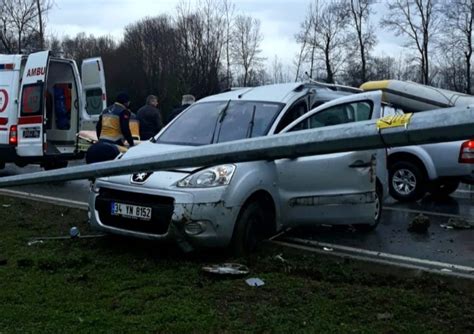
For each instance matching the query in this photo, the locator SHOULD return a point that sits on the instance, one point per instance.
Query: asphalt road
(453, 246)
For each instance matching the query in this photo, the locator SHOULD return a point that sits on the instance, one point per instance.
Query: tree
(418, 21)
(246, 45)
(360, 12)
(324, 34)
(229, 11)
(22, 24)
(460, 16)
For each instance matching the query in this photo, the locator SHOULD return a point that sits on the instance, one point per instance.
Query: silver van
(239, 204)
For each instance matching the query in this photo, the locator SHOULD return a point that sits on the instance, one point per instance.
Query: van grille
(162, 210)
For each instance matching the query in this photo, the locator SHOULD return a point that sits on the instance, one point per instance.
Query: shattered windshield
(218, 122)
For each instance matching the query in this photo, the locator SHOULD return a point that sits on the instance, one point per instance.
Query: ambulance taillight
(13, 137)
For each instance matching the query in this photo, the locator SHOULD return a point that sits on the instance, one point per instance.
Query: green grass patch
(120, 285)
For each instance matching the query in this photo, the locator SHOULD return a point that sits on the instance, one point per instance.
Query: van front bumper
(176, 216)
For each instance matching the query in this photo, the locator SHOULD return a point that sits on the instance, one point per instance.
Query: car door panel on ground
(324, 188)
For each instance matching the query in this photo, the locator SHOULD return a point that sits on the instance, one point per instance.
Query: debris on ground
(384, 316)
(285, 263)
(254, 281)
(72, 235)
(6, 205)
(458, 223)
(232, 269)
(74, 232)
(328, 249)
(33, 242)
(419, 224)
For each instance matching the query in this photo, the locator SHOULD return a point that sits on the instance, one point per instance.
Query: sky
(280, 21)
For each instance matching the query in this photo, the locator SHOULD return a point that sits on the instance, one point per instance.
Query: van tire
(54, 164)
(377, 213)
(410, 172)
(248, 229)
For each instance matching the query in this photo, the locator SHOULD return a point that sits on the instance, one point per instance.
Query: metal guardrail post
(428, 127)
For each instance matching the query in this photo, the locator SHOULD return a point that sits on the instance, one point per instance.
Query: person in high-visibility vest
(114, 122)
(113, 129)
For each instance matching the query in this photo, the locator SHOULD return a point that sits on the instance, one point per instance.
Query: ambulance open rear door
(93, 86)
(31, 118)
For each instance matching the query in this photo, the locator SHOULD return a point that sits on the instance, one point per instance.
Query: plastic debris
(6, 205)
(74, 232)
(328, 249)
(33, 242)
(446, 226)
(459, 223)
(384, 316)
(254, 281)
(233, 269)
(446, 270)
(280, 257)
(419, 224)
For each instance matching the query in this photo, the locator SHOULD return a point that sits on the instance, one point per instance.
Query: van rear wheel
(377, 212)
(54, 164)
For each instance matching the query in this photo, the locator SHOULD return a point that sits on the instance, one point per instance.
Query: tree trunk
(40, 22)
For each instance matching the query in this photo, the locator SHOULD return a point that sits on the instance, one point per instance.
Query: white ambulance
(43, 105)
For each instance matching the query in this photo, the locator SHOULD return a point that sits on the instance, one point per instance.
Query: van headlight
(209, 177)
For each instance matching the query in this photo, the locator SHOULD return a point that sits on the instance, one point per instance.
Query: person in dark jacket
(149, 117)
(186, 102)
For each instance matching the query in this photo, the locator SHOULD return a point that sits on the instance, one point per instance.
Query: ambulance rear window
(32, 100)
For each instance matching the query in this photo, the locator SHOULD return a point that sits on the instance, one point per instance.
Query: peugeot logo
(140, 178)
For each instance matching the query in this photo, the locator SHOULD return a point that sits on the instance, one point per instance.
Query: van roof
(273, 93)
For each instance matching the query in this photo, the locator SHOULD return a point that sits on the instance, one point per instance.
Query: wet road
(455, 246)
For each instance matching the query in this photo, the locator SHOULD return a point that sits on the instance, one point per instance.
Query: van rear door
(93, 87)
(9, 81)
(31, 135)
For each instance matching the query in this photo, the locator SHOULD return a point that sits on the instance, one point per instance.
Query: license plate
(130, 211)
(31, 133)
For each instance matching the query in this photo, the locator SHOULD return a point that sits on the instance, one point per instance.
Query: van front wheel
(248, 229)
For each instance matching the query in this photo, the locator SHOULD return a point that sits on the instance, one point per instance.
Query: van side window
(344, 113)
(293, 113)
(32, 100)
(94, 101)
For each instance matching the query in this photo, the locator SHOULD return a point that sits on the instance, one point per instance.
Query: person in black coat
(150, 118)
(186, 102)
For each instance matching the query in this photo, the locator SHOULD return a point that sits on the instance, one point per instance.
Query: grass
(117, 285)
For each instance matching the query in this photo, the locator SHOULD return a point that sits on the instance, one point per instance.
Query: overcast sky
(280, 21)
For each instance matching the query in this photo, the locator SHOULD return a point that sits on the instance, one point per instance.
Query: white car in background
(239, 204)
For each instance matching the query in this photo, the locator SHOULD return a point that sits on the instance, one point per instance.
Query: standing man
(149, 117)
(187, 100)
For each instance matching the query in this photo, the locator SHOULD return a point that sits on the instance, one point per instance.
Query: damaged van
(44, 102)
(239, 204)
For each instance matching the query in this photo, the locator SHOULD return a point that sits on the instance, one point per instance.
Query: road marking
(46, 199)
(382, 255)
(431, 213)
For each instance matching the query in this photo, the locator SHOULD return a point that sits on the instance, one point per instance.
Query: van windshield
(218, 122)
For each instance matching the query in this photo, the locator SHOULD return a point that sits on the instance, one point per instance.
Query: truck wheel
(443, 188)
(407, 181)
(377, 213)
(247, 232)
